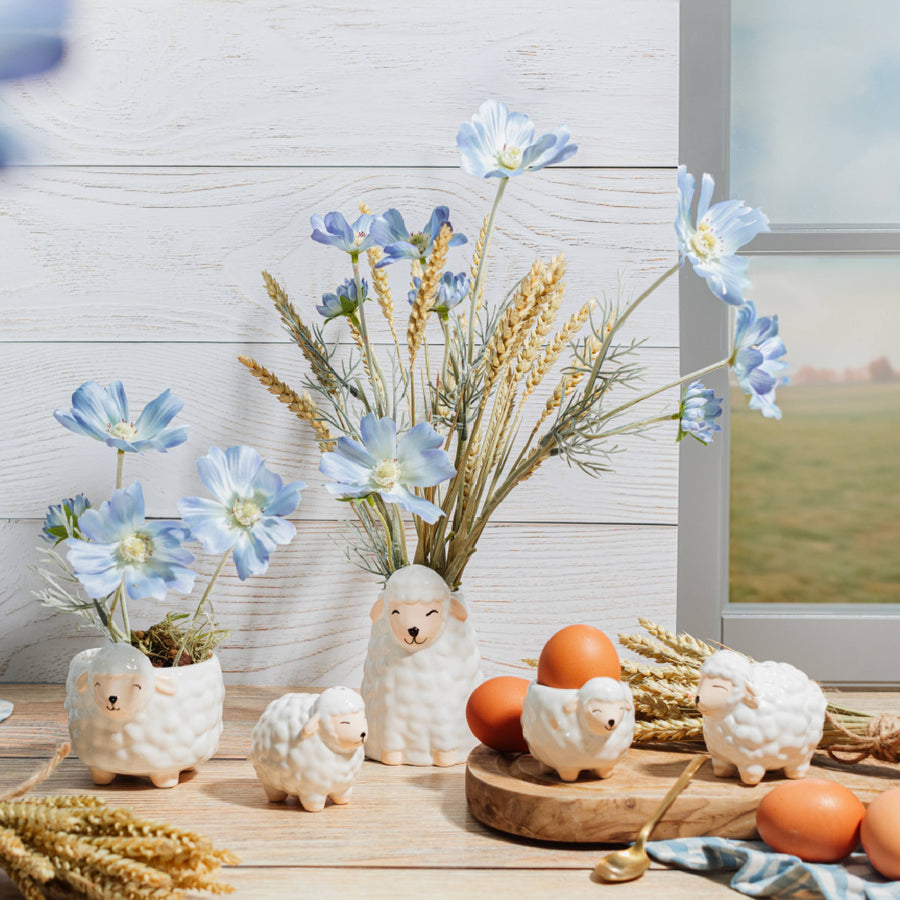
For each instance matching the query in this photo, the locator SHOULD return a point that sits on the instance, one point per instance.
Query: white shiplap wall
(182, 149)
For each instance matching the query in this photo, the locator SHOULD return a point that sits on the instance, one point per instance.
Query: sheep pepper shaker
(310, 746)
(758, 716)
(570, 730)
(421, 666)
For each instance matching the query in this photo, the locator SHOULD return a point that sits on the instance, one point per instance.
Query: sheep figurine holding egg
(758, 716)
(421, 666)
(125, 717)
(310, 746)
(570, 730)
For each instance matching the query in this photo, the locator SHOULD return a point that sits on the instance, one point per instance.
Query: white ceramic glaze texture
(421, 666)
(759, 716)
(570, 731)
(128, 718)
(310, 746)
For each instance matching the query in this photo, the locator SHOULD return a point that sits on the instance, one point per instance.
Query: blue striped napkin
(764, 873)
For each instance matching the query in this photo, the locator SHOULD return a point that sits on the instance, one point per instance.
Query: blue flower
(451, 291)
(389, 232)
(123, 545)
(700, 408)
(343, 302)
(757, 365)
(335, 231)
(383, 465)
(246, 515)
(29, 38)
(499, 144)
(61, 521)
(102, 413)
(721, 230)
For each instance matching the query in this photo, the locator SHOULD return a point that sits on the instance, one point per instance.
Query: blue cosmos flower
(335, 231)
(500, 144)
(102, 413)
(246, 515)
(721, 230)
(344, 301)
(389, 232)
(61, 521)
(757, 363)
(389, 467)
(451, 291)
(700, 408)
(121, 544)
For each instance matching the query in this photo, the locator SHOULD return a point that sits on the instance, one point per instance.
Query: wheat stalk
(683, 643)
(671, 728)
(380, 281)
(476, 261)
(418, 317)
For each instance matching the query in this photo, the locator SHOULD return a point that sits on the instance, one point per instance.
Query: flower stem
(479, 275)
(213, 578)
(119, 595)
(120, 463)
(376, 376)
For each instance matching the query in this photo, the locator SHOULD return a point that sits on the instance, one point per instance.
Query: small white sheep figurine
(758, 716)
(128, 718)
(570, 730)
(421, 666)
(310, 746)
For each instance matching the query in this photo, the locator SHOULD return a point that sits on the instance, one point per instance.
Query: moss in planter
(160, 642)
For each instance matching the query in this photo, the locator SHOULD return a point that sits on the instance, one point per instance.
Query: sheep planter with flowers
(150, 702)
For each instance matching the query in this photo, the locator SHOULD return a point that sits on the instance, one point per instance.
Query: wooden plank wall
(182, 149)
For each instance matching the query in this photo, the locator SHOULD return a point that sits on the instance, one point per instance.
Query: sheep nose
(362, 736)
(413, 632)
(612, 723)
(112, 700)
(697, 700)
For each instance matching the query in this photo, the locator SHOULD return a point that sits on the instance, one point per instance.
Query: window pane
(815, 497)
(815, 134)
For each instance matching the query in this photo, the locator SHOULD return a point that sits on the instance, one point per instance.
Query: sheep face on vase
(150, 701)
(422, 663)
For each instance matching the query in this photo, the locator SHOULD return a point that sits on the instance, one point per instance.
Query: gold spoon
(626, 865)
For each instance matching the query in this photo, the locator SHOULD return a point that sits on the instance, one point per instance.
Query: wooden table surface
(406, 833)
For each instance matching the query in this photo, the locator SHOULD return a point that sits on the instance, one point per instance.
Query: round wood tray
(510, 793)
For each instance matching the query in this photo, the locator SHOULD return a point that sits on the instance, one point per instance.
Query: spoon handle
(688, 773)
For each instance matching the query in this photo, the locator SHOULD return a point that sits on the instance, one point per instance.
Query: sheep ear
(310, 728)
(458, 610)
(750, 695)
(570, 707)
(82, 682)
(377, 608)
(165, 684)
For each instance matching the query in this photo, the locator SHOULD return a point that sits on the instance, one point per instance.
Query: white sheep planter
(571, 731)
(758, 716)
(310, 746)
(421, 666)
(128, 718)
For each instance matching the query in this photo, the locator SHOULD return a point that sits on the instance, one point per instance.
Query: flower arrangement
(116, 555)
(447, 440)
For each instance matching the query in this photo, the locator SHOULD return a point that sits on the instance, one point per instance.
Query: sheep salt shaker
(421, 666)
(574, 730)
(310, 746)
(128, 718)
(758, 716)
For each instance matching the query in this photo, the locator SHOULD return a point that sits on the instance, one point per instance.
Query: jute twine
(881, 741)
(62, 751)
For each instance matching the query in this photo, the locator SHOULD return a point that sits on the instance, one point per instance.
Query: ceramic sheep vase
(569, 731)
(758, 716)
(421, 666)
(128, 718)
(310, 746)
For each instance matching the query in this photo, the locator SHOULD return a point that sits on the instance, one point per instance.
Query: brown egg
(880, 833)
(575, 655)
(814, 819)
(494, 713)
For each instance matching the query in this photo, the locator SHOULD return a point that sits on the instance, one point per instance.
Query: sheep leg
(444, 757)
(312, 802)
(392, 757)
(568, 774)
(722, 768)
(605, 772)
(101, 776)
(343, 797)
(797, 771)
(164, 779)
(273, 794)
(752, 774)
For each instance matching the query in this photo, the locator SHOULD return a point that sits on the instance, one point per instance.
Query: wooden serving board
(508, 792)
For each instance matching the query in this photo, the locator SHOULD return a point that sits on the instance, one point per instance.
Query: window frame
(851, 645)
